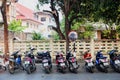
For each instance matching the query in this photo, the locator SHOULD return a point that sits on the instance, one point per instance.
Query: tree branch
(54, 28)
(73, 17)
(47, 11)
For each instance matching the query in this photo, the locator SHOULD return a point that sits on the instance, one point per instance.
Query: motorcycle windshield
(60, 60)
(45, 61)
(88, 60)
(103, 60)
(28, 59)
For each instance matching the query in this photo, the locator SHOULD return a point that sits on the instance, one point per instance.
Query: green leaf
(16, 26)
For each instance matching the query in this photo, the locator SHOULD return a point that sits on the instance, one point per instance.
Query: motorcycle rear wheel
(47, 70)
(11, 69)
(91, 70)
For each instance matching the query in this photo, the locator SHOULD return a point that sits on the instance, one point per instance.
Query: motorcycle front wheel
(28, 70)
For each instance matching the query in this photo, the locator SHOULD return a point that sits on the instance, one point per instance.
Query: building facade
(27, 17)
(48, 21)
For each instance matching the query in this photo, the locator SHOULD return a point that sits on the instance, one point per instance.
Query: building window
(43, 19)
(27, 24)
(49, 36)
(36, 16)
(49, 19)
(50, 27)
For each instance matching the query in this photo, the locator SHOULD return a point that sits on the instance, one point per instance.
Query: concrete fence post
(118, 42)
(51, 49)
(11, 48)
(92, 45)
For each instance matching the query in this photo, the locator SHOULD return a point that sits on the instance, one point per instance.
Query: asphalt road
(54, 75)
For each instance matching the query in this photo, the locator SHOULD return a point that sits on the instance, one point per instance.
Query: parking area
(39, 74)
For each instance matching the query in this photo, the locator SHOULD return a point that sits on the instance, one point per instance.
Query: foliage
(16, 26)
(62, 25)
(76, 11)
(118, 29)
(105, 33)
(55, 36)
(37, 36)
(108, 10)
(76, 26)
(84, 29)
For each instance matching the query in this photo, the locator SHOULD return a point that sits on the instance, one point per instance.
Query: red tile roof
(25, 13)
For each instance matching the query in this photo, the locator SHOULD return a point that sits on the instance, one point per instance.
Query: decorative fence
(60, 45)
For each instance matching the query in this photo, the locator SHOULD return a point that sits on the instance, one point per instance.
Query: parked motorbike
(89, 65)
(72, 62)
(38, 57)
(114, 61)
(102, 64)
(29, 61)
(61, 63)
(3, 68)
(46, 65)
(46, 61)
(15, 62)
(73, 66)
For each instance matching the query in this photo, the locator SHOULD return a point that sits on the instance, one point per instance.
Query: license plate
(117, 61)
(74, 65)
(27, 62)
(106, 64)
(62, 64)
(45, 64)
(90, 64)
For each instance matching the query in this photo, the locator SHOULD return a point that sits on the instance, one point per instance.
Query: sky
(32, 4)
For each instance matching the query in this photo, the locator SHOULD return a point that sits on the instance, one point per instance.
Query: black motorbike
(114, 60)
(73, 66)
(72, 62)
(15, 62)
(46, 61)
(29, 61)
(38, 57)
(46, 65)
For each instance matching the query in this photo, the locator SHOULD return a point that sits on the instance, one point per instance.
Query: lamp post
(72, 37)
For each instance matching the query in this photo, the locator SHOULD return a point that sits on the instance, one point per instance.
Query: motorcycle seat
(12, 59)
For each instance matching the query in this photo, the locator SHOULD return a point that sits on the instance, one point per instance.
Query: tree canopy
(80, 10)
(16, 26)
(37, 36)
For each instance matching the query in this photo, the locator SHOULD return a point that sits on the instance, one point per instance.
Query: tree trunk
(3, 11)
(67, 27)
(66, 32)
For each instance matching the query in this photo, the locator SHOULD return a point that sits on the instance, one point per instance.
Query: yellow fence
(60, 45)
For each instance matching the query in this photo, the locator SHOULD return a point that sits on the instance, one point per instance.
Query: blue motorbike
(15, 62)
(101, 62)
(114, 61)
